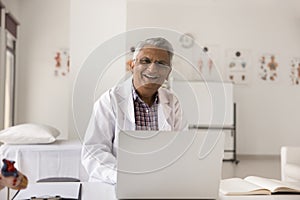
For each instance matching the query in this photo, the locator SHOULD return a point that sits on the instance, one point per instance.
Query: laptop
(169, 164)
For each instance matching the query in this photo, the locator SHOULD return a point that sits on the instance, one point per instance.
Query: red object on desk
(8, 168)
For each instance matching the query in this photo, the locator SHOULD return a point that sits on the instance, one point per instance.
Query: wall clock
(186, 40)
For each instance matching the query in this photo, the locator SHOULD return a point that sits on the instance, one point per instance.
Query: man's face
(150, 69)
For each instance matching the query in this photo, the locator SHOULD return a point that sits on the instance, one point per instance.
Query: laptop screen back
(169, 164)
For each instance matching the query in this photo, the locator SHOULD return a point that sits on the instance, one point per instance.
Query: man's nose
(153, 67)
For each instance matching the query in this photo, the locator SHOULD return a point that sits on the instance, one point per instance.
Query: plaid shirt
(146, 118)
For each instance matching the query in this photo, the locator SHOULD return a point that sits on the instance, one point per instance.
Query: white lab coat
(114, 111)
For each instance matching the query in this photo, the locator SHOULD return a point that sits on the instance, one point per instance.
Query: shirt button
(147, 110)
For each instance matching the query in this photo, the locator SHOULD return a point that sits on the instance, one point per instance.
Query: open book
(256, 185)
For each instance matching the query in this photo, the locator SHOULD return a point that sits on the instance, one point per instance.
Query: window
(8, 39)
(2, 33)
(9, 91)
(10, 70)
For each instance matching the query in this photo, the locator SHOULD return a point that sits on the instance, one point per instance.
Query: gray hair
(158, 42)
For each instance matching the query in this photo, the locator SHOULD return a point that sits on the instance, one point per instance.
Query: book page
(272, 184)
(238, 186)
(294, 185)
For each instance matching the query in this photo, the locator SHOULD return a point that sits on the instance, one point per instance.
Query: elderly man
(137, 104)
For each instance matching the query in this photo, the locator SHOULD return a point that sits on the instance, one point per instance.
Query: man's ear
(129, 65)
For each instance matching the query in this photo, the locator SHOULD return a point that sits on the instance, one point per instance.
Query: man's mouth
(149, 76)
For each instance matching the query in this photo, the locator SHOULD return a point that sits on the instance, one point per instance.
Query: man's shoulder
(167, 91)
(120, 89)
(167, 94)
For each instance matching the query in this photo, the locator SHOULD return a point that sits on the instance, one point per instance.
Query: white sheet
(59, 159)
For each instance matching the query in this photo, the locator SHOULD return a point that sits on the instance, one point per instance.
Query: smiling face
(150, 69)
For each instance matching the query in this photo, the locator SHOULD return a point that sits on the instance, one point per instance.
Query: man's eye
(145, 61)
(161, 63)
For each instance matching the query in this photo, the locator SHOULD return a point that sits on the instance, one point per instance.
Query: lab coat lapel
(125, 103)
(164, 112)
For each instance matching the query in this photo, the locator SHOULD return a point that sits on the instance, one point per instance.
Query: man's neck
(148, 98)
(146, 93)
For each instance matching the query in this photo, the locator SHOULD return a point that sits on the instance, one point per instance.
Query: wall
(92, 23)
(43, 97)
(268, 113)
(49, 26)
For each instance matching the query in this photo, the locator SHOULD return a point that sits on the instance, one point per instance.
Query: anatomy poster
(201, 65)
(237, 66)
(207, 63)
(295, 71)
(268, 68)
(62, 62)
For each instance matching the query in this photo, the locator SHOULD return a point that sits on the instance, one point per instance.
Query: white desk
(96, 191)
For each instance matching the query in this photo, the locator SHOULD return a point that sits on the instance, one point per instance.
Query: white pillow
(29, 134)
